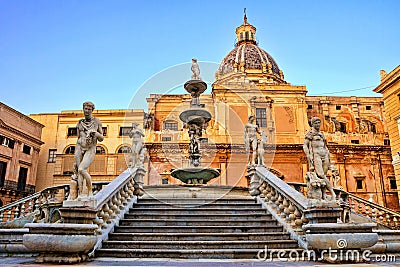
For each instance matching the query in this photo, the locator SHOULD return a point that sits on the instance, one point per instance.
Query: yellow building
(248, 81)
(60, 135)
(390, 89)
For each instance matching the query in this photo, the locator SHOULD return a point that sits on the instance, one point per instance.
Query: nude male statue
(89, 132)
(195, 69)
(317, 153)
(137, 145)
(250, 138)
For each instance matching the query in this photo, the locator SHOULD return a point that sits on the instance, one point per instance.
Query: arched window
(70, 150)
(171, 125)
(100, 150)
(124, 150)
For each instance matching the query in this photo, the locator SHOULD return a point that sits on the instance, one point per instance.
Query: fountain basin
(195, 87)
(195, 116)
(193, 175)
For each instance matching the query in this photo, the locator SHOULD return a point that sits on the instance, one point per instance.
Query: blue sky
(54, 55)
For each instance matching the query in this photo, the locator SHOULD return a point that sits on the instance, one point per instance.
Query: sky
(54, 55)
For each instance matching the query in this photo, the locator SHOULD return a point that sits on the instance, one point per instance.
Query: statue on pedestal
(250, 139)
(138, 150)
(89, 132)
(318, 158)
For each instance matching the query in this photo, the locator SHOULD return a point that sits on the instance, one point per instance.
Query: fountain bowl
(195, 175)
(195, 115)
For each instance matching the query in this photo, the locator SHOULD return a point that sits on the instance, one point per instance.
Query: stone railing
(357, 205)
(315, 224)
(86, 222)
(115, 200)
(43, 203)
(373, 211)
(286, 204)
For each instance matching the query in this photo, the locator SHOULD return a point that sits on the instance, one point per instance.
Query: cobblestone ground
(30, 262)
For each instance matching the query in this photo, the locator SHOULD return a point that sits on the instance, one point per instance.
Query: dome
(248, 58)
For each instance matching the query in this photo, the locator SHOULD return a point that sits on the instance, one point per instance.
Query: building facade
(390, 89)
(56, 158)
(248, 81)
(20, 141)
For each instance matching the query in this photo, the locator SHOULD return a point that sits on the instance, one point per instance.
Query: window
(393, 184)
(338, 107)
(368, 107)
(124, 131)
(26, 149)
(3, 169)
(52, 155)
(360, 184)
(72, 131)
(246, 35)
(171, 125)
(8, 142)
(70, 150)
(166, 138)
(356, 142)
(124, 150)
(104, 131)
(261, 117)
(164, 181)
(309, 107)
(386, 142)
(23, 173)
(100, 150)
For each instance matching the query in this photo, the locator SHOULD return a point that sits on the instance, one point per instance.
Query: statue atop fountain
(195, 117)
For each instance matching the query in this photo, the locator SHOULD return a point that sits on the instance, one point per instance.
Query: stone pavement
(29, 262)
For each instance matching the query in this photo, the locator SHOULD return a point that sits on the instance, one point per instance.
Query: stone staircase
(225, 228)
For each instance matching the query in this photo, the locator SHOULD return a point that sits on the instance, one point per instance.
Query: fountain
(195, 118)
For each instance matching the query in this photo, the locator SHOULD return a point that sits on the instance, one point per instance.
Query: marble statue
(195, 69)
(250, 139)
(138, 151)
(148, 121)
(260, 148)
(335, 177)
(318, 158)
(89, 133)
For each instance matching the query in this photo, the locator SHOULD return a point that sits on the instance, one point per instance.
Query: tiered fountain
(195, 118)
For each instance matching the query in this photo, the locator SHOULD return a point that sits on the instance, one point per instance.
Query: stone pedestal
(79, 215)
(60, 243)
(323, 214)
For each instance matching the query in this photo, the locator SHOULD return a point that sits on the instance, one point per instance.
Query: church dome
(248, 58)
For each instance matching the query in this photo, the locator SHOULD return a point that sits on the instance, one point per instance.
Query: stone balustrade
(370, 210)
(374, 212)
(300, 216)
(115, 199)
(40, 206)
(281, 200)
(86, 222)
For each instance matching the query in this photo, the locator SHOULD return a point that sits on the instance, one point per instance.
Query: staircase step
(196, 200)
(198, 222)
(199, 236)
(204, 211)
(209, 217)
(217, 205)
(192, 253)
(197, 229)
(271, 244)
